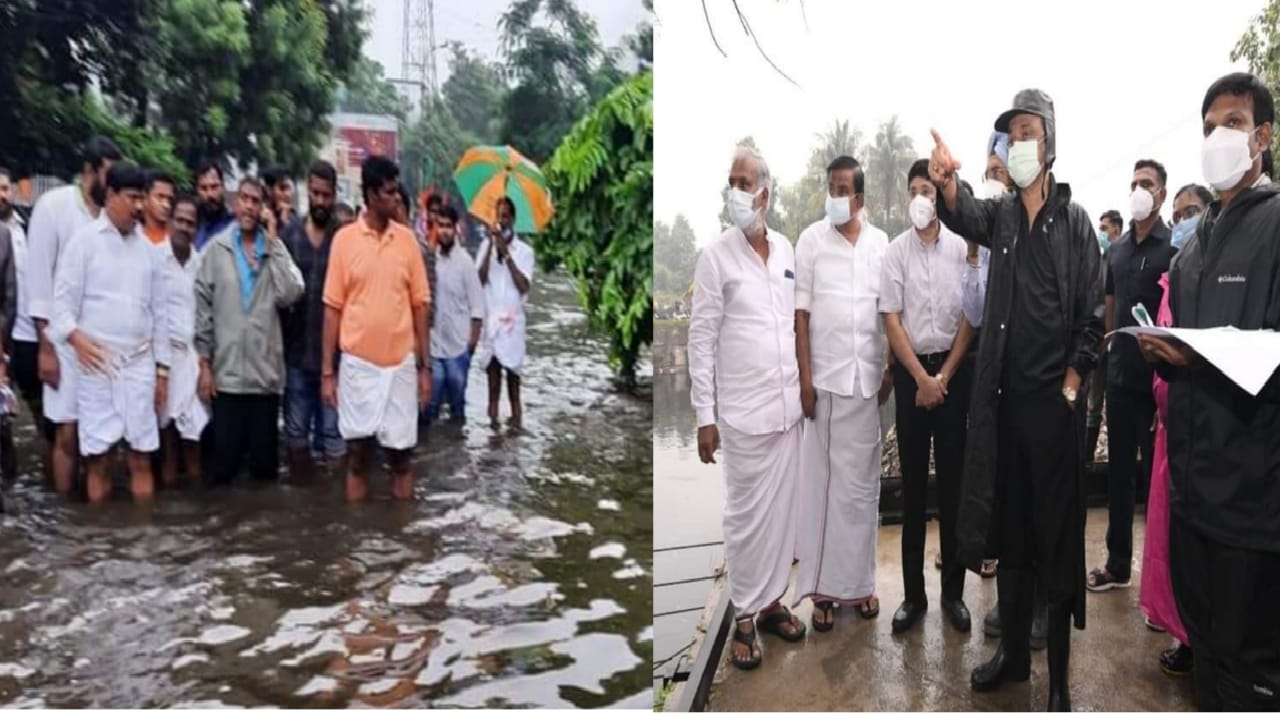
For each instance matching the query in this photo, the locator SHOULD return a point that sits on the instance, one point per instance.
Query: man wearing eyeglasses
(1024, 464)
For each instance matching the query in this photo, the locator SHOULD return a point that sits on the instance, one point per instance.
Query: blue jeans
(449, 384)
(306, 415)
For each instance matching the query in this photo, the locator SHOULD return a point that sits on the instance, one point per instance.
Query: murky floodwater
(520, 575)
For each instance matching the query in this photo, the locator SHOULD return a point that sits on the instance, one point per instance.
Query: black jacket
(1224, 444)
(1077, 258)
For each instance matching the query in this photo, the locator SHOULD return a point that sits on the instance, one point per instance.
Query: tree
(432, 147)
(553, 65)
(675, 253)
(807, 199)
(1260, 48)
(888, 161)
(474, 93)
(601, 177)
(366, 90)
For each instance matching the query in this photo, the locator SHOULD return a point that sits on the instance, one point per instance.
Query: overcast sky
(475, 24)
(1127, 79)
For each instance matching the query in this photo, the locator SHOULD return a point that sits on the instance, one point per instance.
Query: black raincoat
(996, 224)
(1224, 444)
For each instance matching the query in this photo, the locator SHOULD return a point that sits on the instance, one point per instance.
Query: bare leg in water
(513, 392)
(359, 458)
(401, 474)
(65, 448)
(495, 391)
(141, 481)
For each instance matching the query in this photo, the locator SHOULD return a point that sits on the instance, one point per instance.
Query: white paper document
(1248, 357)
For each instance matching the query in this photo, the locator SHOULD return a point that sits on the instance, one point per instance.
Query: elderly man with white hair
(746, 392)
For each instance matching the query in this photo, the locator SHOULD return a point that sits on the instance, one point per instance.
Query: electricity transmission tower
(418, 44)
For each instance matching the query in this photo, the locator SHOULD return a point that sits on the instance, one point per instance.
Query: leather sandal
(870, 609)
(748, 639)
(826, 608)
(773, 622)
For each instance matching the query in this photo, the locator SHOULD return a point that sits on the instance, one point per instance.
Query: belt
(933, 358)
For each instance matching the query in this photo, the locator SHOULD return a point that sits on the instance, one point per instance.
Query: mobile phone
(1142, 316)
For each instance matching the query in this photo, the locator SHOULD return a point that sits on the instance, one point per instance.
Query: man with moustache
(109, 306)
(185, 416)
(211, 192)
(57, 216)
(457, 322)
(310, 425)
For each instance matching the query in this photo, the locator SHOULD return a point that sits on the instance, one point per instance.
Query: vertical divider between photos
(697, 691)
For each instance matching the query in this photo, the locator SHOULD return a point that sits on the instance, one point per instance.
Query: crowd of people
(990, 321)
(171, 324)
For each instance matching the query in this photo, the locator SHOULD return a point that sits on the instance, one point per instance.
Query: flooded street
(520, 576)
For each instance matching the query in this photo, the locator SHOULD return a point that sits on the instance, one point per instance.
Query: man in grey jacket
(246, 277)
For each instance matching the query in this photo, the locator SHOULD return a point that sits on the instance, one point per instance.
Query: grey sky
(475, 24)
(1127, 79)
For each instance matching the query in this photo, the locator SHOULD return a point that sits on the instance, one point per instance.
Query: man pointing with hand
(1042, 327)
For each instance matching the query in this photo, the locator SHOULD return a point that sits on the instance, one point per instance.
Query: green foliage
(888, 161)
(437, 140)
(474, 92)
(1260, 48)
(366, 90)
(675, 256)
(601, 177)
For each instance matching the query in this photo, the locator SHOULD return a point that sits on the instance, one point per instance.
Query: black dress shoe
(1059, 700)
(997, 671)
(957, 613)
(991, 623)
(908, 613)
(1177, 660)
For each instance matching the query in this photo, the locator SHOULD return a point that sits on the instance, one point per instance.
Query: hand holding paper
(1248, 357)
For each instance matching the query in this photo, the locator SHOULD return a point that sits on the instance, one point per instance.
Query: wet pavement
(862, 666)
(519, 576)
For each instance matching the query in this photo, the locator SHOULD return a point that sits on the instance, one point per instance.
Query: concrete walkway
(862, 666)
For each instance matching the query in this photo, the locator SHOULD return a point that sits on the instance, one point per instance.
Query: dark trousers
(944, 428)
(245, 424)
(1229, 602)
(1037, 509)
(1129, 416)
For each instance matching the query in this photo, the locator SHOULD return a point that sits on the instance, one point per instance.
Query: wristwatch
(1070, 395)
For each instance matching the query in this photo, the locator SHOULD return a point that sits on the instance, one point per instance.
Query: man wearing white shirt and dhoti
(742, 362)
(57, 215)
(109, 306)
(505, 263)
(184, 410)
(841, 355)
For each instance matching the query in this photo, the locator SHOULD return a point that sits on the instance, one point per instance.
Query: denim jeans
(306, 415)
(449, 384)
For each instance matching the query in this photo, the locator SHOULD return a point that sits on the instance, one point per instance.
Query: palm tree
(811, 190)
(889, 159)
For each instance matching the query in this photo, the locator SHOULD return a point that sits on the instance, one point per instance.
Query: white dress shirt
(742, 340)
(180, 293)
(925, 284)
(57, 216)
(839, 284)
(459, 300)
(24, 329)
(112, 288)
(975, 288)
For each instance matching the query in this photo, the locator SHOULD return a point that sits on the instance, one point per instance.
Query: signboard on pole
(354, 137)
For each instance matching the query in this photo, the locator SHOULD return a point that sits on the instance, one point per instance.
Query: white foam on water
(330, 642)
(375, 655)
(186, 660)
(646, 635)
(81, 663)
(242, 561)
(15, 671)
(630, 570)
(283, 638)
(614, 550)
(222, 634)
(442, 569)
(221, 613)
(317, 685)
(355, 627)
(310, 616)
(378, 687)
(405, 649)
(613, 505)
(411, 595)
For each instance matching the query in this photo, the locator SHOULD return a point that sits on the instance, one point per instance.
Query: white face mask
(1225, 157)
(838, 211)
(922, 211)
(995, 188)
(742, 212)
(1140, 204)
(1024, 162)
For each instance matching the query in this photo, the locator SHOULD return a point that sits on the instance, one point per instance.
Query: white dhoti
(119, 404)
(503, 338)
(839, 500)
(60, 404)
(182, 405)
(378, 401)
(761, 473)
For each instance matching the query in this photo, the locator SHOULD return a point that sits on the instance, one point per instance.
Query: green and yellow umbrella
(486, 173)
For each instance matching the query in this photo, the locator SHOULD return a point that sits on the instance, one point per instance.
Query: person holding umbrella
(508, 193)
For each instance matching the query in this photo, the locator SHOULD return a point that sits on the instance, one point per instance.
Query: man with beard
(158, 206)
(184, 410)
(458, 320)
(19, 333)
(210, 190)
(309, 424)
(246, 278)
(1025, 447)
(57, 216)
(279, 184)
(109, 306)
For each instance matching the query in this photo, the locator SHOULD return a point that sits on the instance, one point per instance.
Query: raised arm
(967, 216)
(286, 279)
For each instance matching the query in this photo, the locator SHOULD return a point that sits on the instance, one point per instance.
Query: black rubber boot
(1012, 661)
(1059, 655)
